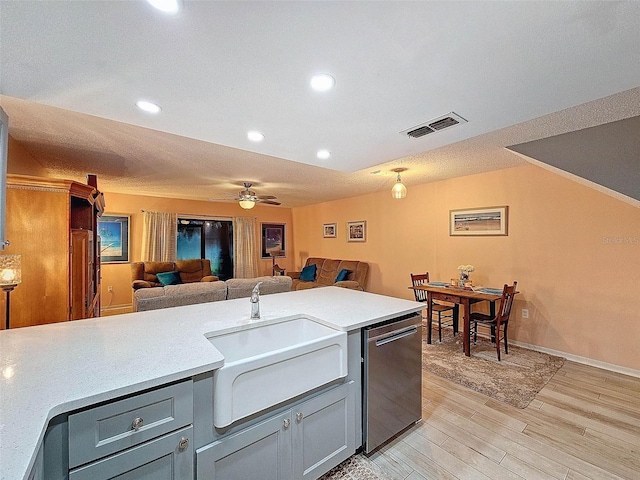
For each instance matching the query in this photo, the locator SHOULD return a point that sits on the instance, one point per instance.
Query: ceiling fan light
(247, 204)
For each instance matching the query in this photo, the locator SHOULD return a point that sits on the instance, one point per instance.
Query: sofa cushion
(151, 269)
(242, 287)
(169, 278)
(342, 275)
(329, 271)
(193, 270)
(197, 292)
(308, 273)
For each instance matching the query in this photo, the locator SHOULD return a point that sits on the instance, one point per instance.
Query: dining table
(459, 296)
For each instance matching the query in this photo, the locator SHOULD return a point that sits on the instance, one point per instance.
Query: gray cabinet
(324, 432)
(166, 458)
(145, 436)
(303, 442)
(261, 451)
(106, 429)
(37, 471)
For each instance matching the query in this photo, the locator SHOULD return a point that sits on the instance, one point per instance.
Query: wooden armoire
(53, 225)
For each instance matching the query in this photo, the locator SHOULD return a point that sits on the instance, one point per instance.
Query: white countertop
(52, 369)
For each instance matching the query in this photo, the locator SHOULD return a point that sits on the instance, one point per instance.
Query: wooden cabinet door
(80, 273)
(324, 432)
(262, 451)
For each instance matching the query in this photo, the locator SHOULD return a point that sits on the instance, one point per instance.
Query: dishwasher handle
(395, 335)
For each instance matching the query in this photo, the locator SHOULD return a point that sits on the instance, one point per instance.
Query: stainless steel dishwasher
(392, 378)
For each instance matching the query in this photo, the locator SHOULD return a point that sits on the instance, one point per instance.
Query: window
(212, 239)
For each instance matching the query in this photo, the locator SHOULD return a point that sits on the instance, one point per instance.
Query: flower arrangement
(465, 270)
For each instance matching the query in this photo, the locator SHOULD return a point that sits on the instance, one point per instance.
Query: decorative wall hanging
(273, 235)
(357, 231)
(114, 238)
(329, 230)
(479, 221)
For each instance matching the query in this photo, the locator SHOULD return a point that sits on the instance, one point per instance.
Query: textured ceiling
(70, 73)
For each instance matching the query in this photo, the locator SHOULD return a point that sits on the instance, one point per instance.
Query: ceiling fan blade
(267, 197)
(269, 202)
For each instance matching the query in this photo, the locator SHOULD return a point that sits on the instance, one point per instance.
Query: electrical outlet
(110, 288)
(525, 313)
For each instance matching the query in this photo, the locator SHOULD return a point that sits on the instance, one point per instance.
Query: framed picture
(479, 221)
(114, 238)
(329, 230)
(357, 231)
(273, 239)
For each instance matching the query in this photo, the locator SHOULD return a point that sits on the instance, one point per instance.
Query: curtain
(245, 248)
(159, 237)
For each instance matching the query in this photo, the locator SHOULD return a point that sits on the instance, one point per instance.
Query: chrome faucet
(255, 301)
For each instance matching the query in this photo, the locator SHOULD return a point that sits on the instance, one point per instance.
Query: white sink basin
(265, 365)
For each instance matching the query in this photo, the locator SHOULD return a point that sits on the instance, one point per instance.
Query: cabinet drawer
(165, 458)
(104, 430)
(447, 298)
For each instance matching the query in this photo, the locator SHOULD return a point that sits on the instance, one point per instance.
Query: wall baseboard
(116, 310)
(584, 360)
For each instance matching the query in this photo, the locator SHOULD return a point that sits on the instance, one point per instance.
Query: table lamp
(10, 277)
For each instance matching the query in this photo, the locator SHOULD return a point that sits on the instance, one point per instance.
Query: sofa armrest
(210, 278)
(141, 284)
(294, 275)
(352, 284)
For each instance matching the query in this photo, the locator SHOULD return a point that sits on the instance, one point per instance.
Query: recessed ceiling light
(255, 136)
(148, 107)
(166, 6)
(321, 82)
(323, 154)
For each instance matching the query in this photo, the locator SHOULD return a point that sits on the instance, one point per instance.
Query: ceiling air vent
(420, 131)
(435, 125)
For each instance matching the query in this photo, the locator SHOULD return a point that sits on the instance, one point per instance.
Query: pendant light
(399, 190)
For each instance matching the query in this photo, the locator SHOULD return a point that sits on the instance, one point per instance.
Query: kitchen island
(52, 369)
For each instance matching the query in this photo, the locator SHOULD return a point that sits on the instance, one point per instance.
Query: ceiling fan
(248, 198)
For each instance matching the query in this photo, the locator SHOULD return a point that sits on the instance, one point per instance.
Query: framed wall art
(114, 238)
(357, 231)
(273, 235)
(329, 230)
(479, 221)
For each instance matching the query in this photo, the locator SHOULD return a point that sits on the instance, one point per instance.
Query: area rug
(356, 467)
(515, 380)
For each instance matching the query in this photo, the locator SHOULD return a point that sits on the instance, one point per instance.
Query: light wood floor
(585, 424)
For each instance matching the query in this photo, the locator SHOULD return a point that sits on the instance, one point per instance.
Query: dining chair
(500, 321)
(445, 313)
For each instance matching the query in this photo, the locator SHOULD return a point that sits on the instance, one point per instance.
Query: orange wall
(118, 275)
(575, 253)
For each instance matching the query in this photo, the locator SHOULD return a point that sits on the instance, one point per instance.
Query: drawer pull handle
(286, 423)
(184, 443)
(299, 417)
(137, 423)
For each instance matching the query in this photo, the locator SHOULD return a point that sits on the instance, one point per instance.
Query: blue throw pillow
(169, 278)
(308, 273)
(344, 273)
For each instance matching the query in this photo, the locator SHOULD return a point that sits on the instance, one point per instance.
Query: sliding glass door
(212, 239)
